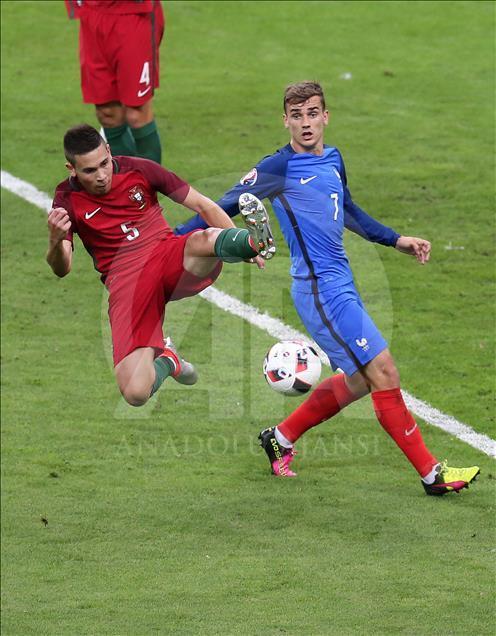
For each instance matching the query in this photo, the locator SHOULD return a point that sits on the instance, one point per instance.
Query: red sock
(326, 400)
(398, 422)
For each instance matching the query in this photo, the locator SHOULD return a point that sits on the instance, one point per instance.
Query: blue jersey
(312, 202)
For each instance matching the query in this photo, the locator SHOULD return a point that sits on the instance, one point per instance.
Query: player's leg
(135, 375)
(391, 411)
(395, 418)
(142, 359)
(205, 247)
(362, 347)
(326, 400)
(141, 373)
(112, 118)
(144, 131)
(332, 394)
(98, 47)
(141, 35)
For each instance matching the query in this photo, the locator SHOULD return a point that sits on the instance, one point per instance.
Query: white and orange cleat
(184, 372)
(257, 221)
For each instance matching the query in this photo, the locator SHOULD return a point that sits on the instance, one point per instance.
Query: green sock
(121, 141)
(233, 245)
(147, 142)
(163, 369)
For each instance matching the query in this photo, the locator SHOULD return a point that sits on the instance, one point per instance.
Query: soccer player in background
(111, 203)
(119, 60)
(307, 185)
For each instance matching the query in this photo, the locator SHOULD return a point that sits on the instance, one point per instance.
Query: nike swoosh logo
(141, 93)
(237, 233)
(410, 431)
(304, 181)
(88, 215)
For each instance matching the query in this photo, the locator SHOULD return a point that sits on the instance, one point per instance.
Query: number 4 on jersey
(145, 74)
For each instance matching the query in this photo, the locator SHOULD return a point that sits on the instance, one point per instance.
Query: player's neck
(316, 150)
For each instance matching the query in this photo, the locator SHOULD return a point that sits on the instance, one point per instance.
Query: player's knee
(202, 242)
(139, 116)
(135, 395)
(210, 235)
(110, 115)
(389, 373)
(382, 374)
(135, 399)
(393, 375)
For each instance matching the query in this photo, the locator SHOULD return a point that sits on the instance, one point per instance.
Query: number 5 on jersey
(131, 232)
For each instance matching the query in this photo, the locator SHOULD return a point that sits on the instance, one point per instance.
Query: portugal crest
(137, 195)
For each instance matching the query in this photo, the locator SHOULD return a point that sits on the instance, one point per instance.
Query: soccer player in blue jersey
(306, 183)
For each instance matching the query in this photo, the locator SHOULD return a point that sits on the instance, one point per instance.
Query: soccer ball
(292, 367)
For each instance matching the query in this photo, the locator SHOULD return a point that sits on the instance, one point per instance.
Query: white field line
(280, 331)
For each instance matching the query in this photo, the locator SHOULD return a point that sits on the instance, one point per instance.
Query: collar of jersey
(291, 150)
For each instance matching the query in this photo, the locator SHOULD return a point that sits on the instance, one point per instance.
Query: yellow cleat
(451, 479)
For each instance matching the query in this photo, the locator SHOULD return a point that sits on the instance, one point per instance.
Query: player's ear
(108, 149)
(327, 116)
(71, 168)
(285, 120)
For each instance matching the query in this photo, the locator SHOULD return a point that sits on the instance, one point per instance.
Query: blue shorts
(337, 321)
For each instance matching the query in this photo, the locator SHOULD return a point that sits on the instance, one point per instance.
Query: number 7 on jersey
(334, 197)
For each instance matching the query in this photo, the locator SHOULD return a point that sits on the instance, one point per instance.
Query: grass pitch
(165, 520)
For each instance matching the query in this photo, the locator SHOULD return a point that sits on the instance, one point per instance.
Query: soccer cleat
(280, 458)
(184, 372)
(451, 479)
(257, 222)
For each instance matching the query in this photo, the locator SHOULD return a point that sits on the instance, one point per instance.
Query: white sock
(281, 439)
(431, 477)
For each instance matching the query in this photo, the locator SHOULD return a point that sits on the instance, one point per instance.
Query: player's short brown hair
(301, 91)
(79, 140)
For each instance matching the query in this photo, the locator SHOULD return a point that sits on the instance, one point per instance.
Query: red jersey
(120, 7)
(121, 228)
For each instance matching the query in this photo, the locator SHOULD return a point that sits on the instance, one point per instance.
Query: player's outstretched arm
(211, 213)
(59, 254)
(418, 247)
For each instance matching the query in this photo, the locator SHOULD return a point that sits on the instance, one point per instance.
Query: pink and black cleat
(280, 457)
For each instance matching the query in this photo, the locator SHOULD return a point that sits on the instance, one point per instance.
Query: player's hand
(258, 261)
(58, 224)
(418, 247)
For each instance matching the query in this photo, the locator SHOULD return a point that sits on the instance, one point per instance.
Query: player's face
(94, 170)
(306, 122)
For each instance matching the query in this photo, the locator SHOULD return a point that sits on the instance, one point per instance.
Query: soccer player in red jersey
(119, 59)
(111, 203)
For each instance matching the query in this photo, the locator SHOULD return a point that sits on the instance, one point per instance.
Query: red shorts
(119, 57)
(138, 295)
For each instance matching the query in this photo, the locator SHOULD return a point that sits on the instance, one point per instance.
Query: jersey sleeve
(61, 199)
(358, 221)
(265, 180)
